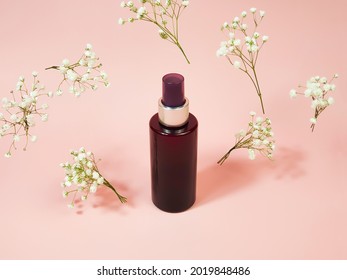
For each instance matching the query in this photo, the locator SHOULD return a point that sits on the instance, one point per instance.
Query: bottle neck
(173, 116)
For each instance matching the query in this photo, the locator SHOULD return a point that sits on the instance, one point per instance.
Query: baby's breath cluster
(84, 74)
(317, 89)
(82, 177)
(21, 111)
(258, 137)
(243, 45)
(163, 13)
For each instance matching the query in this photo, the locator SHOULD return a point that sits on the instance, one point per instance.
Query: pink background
(292, 208)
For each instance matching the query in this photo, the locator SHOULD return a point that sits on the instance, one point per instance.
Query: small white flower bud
(237, 64)
(16, 138)
(8, 155)
(244, 26)
(185, 3)
(66, 62)
(251, 154)
(44, 117)
(293, 93)
(265, 38)
(331, 100)
(93, 188)
(96, 175)
(313, 120)
(71, 205)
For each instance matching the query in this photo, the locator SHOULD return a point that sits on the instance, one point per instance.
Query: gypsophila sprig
(258, 137)
(21, 112)
(83, 74)
(163, 13)
(244, 44)
(83, 177)
(317, 89)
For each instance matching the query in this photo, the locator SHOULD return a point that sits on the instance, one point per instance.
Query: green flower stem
(258, 89)
(224, 158)
(121, 198)
(185, 56)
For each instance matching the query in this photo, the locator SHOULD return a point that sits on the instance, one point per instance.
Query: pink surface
(292, 208)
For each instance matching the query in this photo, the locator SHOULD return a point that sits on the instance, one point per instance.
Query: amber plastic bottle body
(173, 164)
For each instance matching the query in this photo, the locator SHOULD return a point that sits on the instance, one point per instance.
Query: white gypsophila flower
(313, 120)
(160, 13)
(71, 75)
(8, 155)
(83, 74)
(71, 205)
(251, 154)
(331, 100)
(65, 62)
(246, 49)
(100, 180)
(21, 110)
(93, 188)
(19, 85)
(185, 3)
(95, 175)
(237, 64)
(236, 19)
(258, 137)
(293, 93)
(318, 89)
(44, 117)
(141, 12)
(83, 173)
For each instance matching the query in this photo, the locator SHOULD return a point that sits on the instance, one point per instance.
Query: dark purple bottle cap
(173, 90)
